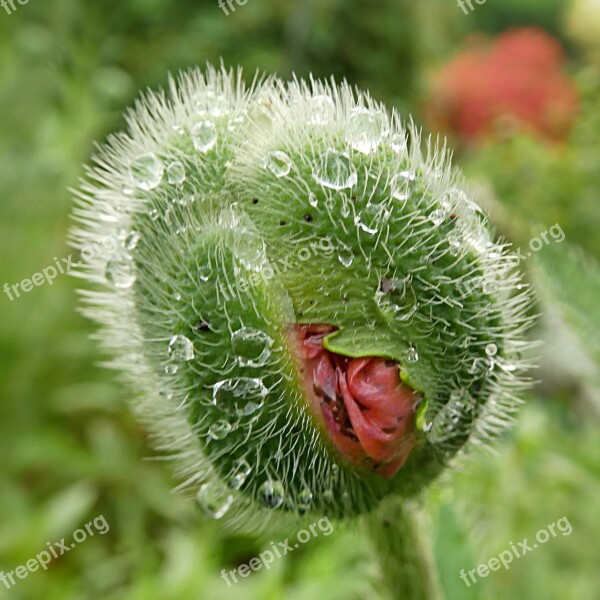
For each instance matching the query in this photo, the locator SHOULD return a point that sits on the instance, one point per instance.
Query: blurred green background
(69, 448)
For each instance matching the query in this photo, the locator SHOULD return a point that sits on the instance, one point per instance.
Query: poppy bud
(312, 312)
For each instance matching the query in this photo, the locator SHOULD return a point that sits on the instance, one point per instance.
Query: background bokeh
(69, 448)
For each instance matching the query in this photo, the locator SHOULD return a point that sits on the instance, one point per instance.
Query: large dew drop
(147, 171)
(402, 185)
(176, 173)
(239, 473)
(366, 128)
(214, 499)
(240, 396)
(271, 494)
(321, 111)
(181, 348)
(279, 163)
(335, 171)
(204, 136)
(120, 273)
(252, 347)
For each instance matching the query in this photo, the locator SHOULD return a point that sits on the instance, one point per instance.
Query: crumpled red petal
(367, 410)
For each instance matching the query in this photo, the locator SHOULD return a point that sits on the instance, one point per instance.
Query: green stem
(405, 559)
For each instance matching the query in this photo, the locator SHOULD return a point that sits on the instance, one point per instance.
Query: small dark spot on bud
(203, 326)
(390, 363)
(254, 200)
(308, 217)
(453, 216)
(386, 285)
(283, 222)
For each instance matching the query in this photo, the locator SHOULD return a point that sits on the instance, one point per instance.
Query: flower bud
(313, 313)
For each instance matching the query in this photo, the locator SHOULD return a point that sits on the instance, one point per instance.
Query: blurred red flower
(516, 80)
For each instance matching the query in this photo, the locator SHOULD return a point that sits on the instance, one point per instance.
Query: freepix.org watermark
(553, 234)
(227, 6)
(59, 267)
(9, 5)
(278, 550)
(55, 549)
(274, 268)
(469, 8)
(506, 557)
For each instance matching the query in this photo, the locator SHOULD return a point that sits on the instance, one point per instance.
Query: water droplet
(271, 494)
(412, 356)
(397, 297)
(402, 184)
(147, 171)
(438, 216)
(154, 214)
(399, 143)
(165, 393)
(335, 171)
(204, 273)
(305, 499)
(204, 136)
(181, 348)
(371, 217)
(171, 369)
(214, 499)
(131, 240)
(345, 255)
(491, 349)
(240, 396)
(321, 110)
(455, 243)
(219, 430)
(176, 173)
(312, 200)
(251, 346)
(120, 273)
(366, 128)
(279, 163)
(239, 473)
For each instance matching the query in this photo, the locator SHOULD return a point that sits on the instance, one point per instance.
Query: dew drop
(271, 494)
(412, 356)
(239, 473)
(335, 171)
(251, 346)
(345, 255)
(312, 200)
(305, 499)
(154, 214)
(176, 173)
(215, 500)
(491, 349)
(147, 171)
(204, 273)
(397, 297)
(120, 273)
(438, 216)
(279, 163)
(131, 240)
(181, 348)
(204, 136)
(402, 184)
(399, 143)
(171, 369)
(219, 430)
(321, 110)
(239, 396)
(366, 128)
